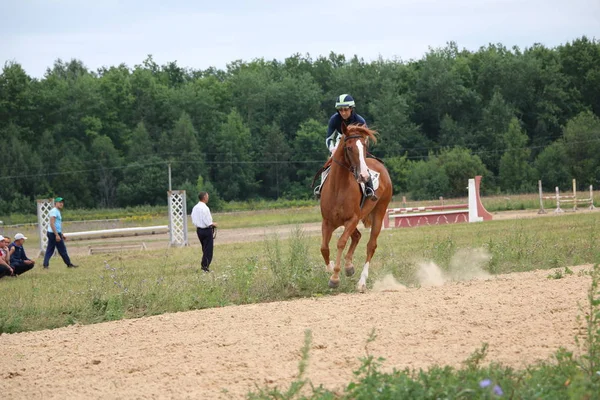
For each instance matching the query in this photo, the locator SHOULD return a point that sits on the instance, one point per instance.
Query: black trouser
(205, 235)
(60, 246)
(20, 267)
(4, 271)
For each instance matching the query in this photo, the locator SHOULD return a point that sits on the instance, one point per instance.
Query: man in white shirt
(202, 220)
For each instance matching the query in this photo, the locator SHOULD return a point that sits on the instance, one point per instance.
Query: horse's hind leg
(348, 266)
(327, 232)
(371, 246)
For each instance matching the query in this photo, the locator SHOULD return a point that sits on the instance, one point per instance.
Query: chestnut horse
(341, 202)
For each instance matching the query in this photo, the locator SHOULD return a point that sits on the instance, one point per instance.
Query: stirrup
(317, 192)
(370, 193)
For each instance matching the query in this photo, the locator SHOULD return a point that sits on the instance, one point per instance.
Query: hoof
(350, 271)
(334, 284)
(362, 288)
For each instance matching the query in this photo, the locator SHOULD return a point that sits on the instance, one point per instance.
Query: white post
(592, 198)
(472, 201)
(558, 209)
(542, 211)
(178, 233)
(574, 195)
(43, 210)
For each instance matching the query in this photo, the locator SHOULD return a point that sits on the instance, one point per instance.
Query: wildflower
(498, 390)
(487, 383)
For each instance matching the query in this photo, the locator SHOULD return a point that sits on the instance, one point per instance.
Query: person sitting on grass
(19, 261)
(7, 248)
(5, 268)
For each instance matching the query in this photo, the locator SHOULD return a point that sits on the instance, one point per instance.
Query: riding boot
(369, 191)
(324, 173)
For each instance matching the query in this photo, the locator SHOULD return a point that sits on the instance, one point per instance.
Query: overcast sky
(199, 34)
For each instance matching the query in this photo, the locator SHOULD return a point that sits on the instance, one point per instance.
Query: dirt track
(201, 354)
(225, 236)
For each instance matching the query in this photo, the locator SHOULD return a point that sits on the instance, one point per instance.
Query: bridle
(350, 168)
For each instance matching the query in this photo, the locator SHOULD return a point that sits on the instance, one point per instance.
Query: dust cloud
(465, 265)
(388, 284)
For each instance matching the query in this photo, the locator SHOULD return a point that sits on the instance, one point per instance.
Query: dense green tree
(552, 167)
(16, 96)
(235, 170)
(582, 144)
(309, 154)
(144, 183)
(516, 175)
(399, 169)
(275, 163)
(460, 165)
(397, 133)
(180, 147)
(106, 174)
(427, 181)
(255, 129)
(489, 142)
(579, 61)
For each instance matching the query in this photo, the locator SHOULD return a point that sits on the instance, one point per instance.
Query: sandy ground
(223, 353)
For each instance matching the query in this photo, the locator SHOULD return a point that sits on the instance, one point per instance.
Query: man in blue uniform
(338, 123)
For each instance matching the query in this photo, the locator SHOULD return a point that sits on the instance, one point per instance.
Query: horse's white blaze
(330, 266)
(362, 283)
(364, 173)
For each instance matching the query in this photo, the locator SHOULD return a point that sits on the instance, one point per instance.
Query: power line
(260, 162)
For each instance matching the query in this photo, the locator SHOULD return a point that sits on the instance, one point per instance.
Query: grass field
(134, 284)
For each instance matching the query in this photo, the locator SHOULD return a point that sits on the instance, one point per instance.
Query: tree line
(256, 129)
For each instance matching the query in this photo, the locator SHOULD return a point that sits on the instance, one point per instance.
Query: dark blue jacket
(337, 127)
(18, 256)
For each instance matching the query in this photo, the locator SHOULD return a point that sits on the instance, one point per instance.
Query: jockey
(338, 123)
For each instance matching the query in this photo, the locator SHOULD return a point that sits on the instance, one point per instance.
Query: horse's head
(356, 141)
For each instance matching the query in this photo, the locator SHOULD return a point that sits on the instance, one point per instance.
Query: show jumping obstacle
(408, 217)
(589, 201)
(177, 228)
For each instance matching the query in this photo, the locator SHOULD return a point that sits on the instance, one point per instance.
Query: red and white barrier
(473, 211)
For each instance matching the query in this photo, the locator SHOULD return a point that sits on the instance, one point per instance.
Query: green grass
(136, 284)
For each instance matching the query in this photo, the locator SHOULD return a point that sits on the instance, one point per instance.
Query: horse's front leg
(371, 247)
(348, 265)
(349, 228)
(326, 231)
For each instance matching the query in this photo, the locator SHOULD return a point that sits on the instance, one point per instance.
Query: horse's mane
(362, 131)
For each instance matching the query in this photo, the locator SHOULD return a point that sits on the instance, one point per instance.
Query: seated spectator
(18, 259)
(5, 268)
(6, 247)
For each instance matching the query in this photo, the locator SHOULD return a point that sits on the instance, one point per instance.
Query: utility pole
(169, 176)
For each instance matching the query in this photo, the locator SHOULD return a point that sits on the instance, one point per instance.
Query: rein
(351, 168)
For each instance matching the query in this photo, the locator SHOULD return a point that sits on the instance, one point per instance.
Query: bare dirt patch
(225, 352)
